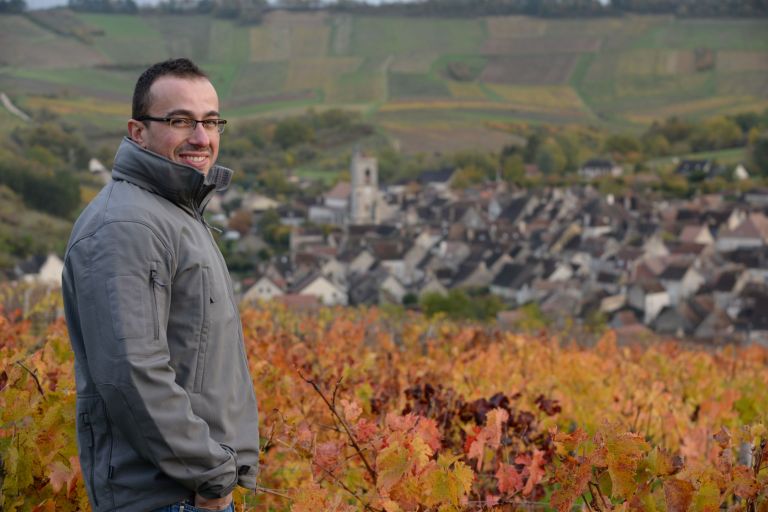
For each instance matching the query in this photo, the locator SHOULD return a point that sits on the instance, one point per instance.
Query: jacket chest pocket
(208, 302)
(135, 305)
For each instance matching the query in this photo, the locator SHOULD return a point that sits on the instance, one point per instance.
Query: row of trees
(12, 6)
(262, 150)
(39, 163)
(251, 11)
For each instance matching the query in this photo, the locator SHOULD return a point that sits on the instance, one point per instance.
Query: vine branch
(347, 430)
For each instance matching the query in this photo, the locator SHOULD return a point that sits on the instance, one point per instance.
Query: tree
(513, 169)
(273, 232)
(759, 154)
(717, 133)
(550, 158)
(458, 304)
(655, 144)
(291, 132)
(241, 221)
(621, 144)
(12, 6)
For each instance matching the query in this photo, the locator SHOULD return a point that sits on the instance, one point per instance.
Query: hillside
(25, 231)
(429, 84)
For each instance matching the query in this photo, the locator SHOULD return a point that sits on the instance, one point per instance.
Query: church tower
(364, 204)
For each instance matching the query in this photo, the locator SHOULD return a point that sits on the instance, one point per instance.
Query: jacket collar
(178, 183)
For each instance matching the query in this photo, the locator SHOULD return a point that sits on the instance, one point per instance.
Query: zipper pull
(155, 281)
(205, 223)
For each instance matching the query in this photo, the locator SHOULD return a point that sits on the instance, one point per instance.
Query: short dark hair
(181, 68)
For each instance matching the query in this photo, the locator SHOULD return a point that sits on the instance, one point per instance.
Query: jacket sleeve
(122, 278)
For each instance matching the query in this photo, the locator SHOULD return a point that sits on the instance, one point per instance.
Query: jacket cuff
(221, 485)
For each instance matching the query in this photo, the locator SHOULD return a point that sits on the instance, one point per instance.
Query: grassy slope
(21, 226)
(623, 73)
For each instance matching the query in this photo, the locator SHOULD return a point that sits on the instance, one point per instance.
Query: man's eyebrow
(187, 113)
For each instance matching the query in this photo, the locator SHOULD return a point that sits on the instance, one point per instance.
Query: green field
(620, 73)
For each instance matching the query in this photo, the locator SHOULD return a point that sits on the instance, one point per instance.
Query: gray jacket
(165, 402)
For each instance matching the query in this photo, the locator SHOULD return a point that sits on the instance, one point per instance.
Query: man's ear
(136, 131)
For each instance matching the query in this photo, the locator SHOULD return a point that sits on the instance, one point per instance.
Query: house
(297, 303)
(292, 215)
(678, 321)
(724, 287)
(648, 296)
(439, 180)
(329, 293)
(694, 168)
(557, 271)
(304, 236)
(740, 173)
(697, 234)
(335, 270)
(750, 232)
(513, 283)
(752, 317)
(44, 270)
(608, 281)
(562, 303)
(390, 254)
(358, 261)
(98, 170)
(613, 303)
(599, 167)
(334, 209)
(472, 274)
(264, 289)
(258, 203)
(681, 280)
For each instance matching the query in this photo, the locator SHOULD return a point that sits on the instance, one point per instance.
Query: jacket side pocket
(207, 299)
(94, 436)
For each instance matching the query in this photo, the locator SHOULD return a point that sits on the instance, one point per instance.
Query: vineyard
(381, 411)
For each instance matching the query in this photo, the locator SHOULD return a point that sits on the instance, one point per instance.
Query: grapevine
(363, 410)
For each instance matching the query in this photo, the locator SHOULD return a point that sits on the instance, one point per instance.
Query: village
(693, 269)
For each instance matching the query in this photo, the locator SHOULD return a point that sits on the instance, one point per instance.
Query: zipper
(203, 344)
(91, 442)
(155, 282)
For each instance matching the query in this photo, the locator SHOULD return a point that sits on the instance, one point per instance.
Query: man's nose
(199, 136)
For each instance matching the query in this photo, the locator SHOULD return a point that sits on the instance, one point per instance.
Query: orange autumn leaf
(744, 483)
(489, 436)
(678, 494)
(623, 453)
(572, 476)
(352, 410)
(534, 468)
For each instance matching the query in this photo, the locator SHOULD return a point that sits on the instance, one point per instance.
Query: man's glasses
(188, 124)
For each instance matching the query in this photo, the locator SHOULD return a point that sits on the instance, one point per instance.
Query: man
(166, 413)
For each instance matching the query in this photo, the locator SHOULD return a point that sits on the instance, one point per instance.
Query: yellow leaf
(391, 464)
(624, 451)
(706, 498)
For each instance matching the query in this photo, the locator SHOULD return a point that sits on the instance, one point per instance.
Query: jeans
(188, 506)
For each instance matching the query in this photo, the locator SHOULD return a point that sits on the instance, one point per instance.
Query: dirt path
(13, 109)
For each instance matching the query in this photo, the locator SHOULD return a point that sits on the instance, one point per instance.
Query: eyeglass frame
(220, 123)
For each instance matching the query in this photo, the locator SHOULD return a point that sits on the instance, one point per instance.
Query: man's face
(194, 98)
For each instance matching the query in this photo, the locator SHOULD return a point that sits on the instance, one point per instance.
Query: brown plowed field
(530, 69)
(536, 45)
(742, 61)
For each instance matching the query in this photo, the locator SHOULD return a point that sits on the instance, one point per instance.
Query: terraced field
(424, 81)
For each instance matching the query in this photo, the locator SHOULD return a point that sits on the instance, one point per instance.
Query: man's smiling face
(193, 98)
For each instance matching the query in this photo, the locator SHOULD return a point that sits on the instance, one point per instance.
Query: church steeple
(365, 189)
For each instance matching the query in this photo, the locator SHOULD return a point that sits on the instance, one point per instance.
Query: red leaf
(509, 479)
(535, 469)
